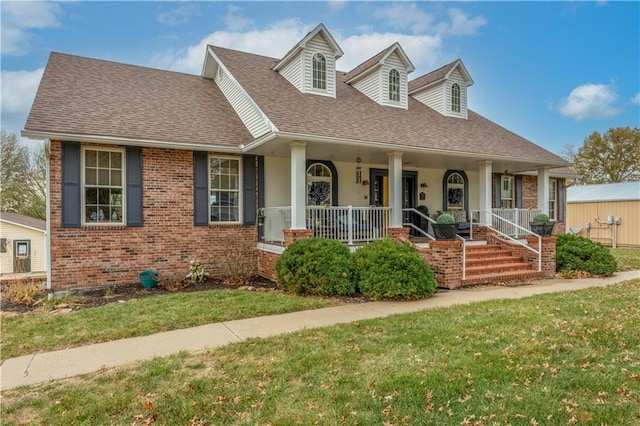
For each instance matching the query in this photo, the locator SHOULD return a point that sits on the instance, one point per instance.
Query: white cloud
(590, 101)
(177, 15)
(18, 18)
(234, 20)
(461, 24)
(405, 15)
(18, 91)
(636, 99)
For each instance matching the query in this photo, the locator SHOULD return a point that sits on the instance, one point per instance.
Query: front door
(379, 191)
(22, 256)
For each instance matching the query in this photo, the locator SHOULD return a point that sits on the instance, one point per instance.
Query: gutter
(47, 234)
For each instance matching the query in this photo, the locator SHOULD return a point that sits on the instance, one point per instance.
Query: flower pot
(148, 278)
(444, 231)
(542, 229)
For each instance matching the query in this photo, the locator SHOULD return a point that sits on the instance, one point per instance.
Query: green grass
(628, 258)
(555, 359)
(41, 331)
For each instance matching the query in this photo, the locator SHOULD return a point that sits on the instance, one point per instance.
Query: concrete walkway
(37, 368)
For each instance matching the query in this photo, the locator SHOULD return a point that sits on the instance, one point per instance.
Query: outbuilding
(22, 244)
(607, 213)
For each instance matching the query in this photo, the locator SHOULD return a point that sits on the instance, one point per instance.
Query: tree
(22, 178)
(609, 158)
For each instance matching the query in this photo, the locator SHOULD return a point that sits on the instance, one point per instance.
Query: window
(553, 199)
(318, 185)
(455, 97)
(224, 189)
(103, 183)
(394, 86)
(455, 186)
(319, 72)
(506, 193)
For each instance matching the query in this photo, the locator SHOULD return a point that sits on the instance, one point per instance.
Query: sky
(552, 72)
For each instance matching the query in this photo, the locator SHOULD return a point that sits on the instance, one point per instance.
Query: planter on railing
(542, 229)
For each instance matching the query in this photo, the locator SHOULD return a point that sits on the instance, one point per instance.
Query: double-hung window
(224, 189)
(455, 97)
(553, 199)
(506, 193)
(103, 186)
(394, 86)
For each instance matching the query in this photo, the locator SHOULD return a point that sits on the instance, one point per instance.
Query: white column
(543, 189)
(395, 188)
(484, 197)
(298, 185)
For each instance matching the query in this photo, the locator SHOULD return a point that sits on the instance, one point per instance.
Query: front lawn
(628, 258)
(555, 359)
(40, 331)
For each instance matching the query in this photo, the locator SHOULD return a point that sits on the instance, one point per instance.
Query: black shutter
(134, 186)
(249, 189)
(497, 191)
(71, 185)
(200, 189)
(561, 200)
(519, 192)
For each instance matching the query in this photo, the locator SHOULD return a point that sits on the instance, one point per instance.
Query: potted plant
(444, 228)
(541, 225)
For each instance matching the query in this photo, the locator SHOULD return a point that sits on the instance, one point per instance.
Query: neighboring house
(607, 213)
(151, 168)
(22, 244)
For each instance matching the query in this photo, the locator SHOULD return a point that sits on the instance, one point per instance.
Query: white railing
(347, 224)
(419, 223)
(510, 217)
(505, 224)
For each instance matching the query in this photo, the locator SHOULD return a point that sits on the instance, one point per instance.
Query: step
(497, 268)
(501, 277)
(481, 254)
(488, 260)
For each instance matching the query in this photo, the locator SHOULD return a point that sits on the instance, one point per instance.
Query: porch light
(358, 170)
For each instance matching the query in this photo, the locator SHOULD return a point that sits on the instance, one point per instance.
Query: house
(22, 244)
(606, 213)
(151, 168)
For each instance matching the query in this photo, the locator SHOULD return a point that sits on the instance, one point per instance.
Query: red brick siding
(112, 255)
(445, 259)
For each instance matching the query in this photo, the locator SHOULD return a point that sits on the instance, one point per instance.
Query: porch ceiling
(372, 153)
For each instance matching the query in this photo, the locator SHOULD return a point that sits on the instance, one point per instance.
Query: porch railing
(347, 224)
(513, 220)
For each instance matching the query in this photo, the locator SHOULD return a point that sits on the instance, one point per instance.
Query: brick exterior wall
(530, 200)
(445, 259)
(105, 255)
(399, 234)
(267, 264)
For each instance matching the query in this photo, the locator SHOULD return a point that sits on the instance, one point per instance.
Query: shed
(22, 244)
(607, 213)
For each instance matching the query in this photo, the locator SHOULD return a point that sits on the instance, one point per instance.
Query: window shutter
(497, 190)
(134, 186)
(200, 189)
(561, 200)
(249, 189)
(519, 192)
(71, 185)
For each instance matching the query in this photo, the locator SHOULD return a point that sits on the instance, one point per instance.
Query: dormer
(444, 89)
(383, 78)
(311, 64)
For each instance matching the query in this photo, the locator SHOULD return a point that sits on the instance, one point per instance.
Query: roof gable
(379, 60)
(440, 75)
(302, 44)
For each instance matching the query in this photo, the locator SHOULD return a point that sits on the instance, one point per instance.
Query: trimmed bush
(316, 266)
(446, 219)
(581, 254)
(389, 270)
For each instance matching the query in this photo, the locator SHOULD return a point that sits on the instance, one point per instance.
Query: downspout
(47, 234)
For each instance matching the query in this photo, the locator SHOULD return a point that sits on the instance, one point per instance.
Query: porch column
(395, 188)
(543, 189)
(298, 184)
(484, 197)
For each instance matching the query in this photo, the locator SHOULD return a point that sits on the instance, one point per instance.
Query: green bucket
(148, 278)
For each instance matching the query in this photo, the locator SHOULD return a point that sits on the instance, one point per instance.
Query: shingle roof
(94, 97)
(367, 64)
(20, 219)
(431, 77)
(354, 116)
(622, 191)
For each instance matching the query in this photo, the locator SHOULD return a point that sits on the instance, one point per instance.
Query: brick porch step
(490, 264)
(501, 277)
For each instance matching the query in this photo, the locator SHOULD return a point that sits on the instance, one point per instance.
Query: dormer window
(394, 85)
(319, 72)
(455, 97)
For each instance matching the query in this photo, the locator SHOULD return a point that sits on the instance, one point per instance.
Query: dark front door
(22, 256)
(379, 191)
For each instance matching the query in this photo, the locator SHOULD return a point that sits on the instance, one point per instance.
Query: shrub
(445, 219)
(575, 253)
(26, 293)
(541, 218)
(316, 266)
(389, 270)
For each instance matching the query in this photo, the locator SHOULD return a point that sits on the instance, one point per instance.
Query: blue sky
(552, 72)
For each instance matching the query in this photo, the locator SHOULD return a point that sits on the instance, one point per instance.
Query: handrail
(508, 237)
(417, 228)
